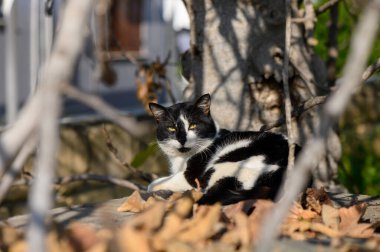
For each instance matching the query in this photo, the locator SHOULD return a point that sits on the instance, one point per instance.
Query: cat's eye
(192, 126)
(171, 129)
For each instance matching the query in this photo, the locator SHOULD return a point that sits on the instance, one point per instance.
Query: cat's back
(243, 163)
(234, 146)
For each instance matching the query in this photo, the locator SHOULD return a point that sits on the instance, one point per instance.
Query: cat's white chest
(178, 164)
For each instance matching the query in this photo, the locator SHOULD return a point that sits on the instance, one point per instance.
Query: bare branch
(361, 44)
(58, 69)
(317, 100)
(326, 6)
(312, 102)
(13, 171)
(371, 70)
(86, 177)
(101, 178)
(129, 124)
(285, 80)
(13, 137)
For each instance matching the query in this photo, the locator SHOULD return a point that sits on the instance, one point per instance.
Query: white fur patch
(185, 123)
(246, 171)
(221, 151)
(169, 147)
(178, 164)
(176, 183)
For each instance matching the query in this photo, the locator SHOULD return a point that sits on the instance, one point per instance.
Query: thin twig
(100, 178)
(86, 177)
(148, 177)
(361, 45)
(371, 69)
(285, 81)
(129, 124)
(326, 6)
(318, 100)
(312, 102)
(58, 69)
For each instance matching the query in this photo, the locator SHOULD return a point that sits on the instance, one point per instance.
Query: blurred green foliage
(349, 14)
(359, 169)
(144, 155)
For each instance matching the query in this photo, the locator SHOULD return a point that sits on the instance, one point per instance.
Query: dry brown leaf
(149, 202)
(239, 233)
(18, 246)
(54, 244)
(172, 225)
(175, 196)
(292, 226)
(196, 195)
(177, 246)
(230, 210)
(80, 236)
(315, 198)
(262, 208)
(203, 225)
(131, 239)
(298, 213)
(351, 216)
(183, 206)
(9, 235)
(242, 206)
(323, 229)
(151, 219)
(330, 216)
(134, 203)
(350, 225)
(298, 236)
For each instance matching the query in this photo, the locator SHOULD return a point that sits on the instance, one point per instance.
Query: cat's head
(184, 129)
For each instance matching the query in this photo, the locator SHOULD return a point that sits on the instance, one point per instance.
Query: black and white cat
(229, 165)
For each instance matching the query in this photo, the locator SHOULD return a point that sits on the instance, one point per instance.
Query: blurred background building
(144, 29)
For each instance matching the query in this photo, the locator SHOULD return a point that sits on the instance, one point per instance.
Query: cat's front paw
(157, 185)
(174, 183)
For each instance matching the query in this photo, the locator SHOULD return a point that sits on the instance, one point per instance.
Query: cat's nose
(181, 139)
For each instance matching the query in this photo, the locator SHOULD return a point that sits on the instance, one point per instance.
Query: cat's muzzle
(184, 149)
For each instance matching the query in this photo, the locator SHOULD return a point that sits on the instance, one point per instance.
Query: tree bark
(237, 52)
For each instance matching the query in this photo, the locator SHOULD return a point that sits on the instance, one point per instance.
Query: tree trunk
(237, 56)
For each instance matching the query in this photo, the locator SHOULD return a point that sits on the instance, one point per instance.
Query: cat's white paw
(158, 184)
(175, 183)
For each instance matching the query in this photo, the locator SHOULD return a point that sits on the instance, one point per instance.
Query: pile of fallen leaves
(179, 224)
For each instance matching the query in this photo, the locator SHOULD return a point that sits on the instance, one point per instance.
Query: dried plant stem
(58, 69)
(361, 44)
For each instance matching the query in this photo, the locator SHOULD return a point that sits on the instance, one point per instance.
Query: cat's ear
(157, 110)
(204, 103)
